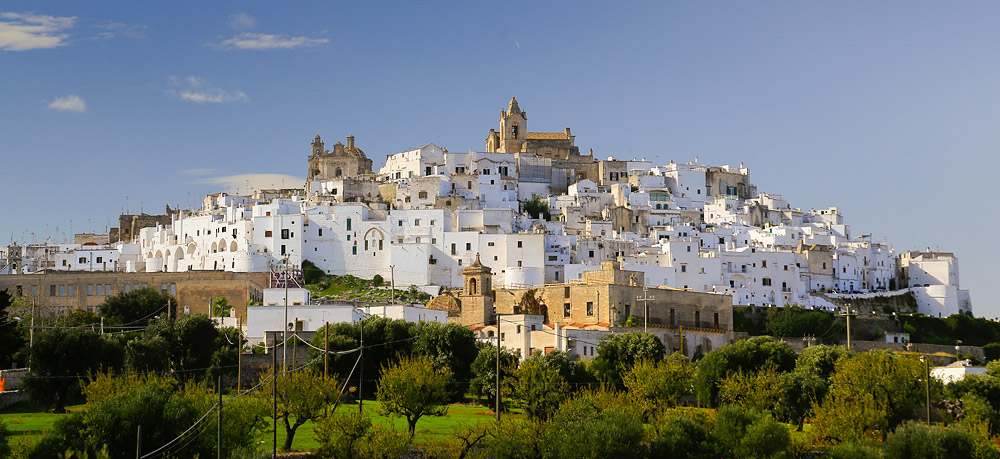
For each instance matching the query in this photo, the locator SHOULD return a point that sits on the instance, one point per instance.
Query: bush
(516, 439)
(377, 281)
(5, 434)
(991, 352)
(750, 433)
(349, 434)
(854, 450)
(582, 429)
(917, 441)
(682, 434)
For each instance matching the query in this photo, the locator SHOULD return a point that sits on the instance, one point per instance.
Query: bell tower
(317, 146)
(477, 294)
(513, 128)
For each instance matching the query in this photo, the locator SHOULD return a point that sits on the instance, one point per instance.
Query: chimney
(350, 141)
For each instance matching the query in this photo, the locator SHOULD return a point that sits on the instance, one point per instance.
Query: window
(518, 263)
(590, 308)
(565, 292)
(786, 267)
(591, 254)
(553, 258)
(672, 317)
(100, 259)
(453, 249)
(100, 290)
(107, 289)
(267, 234)
(468, 246)
(427, 171)
(399, 223)
(689, 248)
(684, 267)
(763, 263)
(62, 290)
(765, 281)
(566, 309)
(354, 249)
(520, 244)
(90, 290)
(348, 224)
(82, 260)
(282, 249)
(52, 290)
(416, 222)
(422, 195)
(284, 234)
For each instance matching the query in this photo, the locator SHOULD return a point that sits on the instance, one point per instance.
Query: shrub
(917, 441)
(516, 439)
(750, 433)
(5, 434)
(582, 429)
(855, 450)
(349, 434)
(682, 434)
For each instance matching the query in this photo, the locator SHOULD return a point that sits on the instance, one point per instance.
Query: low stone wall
(10, 398)
(13, 379)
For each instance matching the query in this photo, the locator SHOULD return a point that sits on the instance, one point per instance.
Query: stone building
(344, 161)
(514, 137)
(607, 295)
(58, 292)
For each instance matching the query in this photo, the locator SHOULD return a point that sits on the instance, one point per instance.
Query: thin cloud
(214, 96)
(241, 21)
(196, 172)
(69, 103)
(22, 32)
(196, 89)
(263, 42)
(246, 182)
(114, 29)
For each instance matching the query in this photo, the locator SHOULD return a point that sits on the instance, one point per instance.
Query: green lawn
(29, 427)
(429, 428)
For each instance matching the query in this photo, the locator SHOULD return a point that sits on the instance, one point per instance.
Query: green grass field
(29, 427)
(429, 428)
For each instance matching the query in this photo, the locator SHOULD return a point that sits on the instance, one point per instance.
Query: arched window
(472, 286)
(514, 131)
(338, 172)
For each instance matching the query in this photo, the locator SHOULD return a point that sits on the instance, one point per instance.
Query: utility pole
(848, 315)
(138, 442)
(361, 368)
(498, 368)
(218, 436)
(239, 357)
(284, 325)
(326, 358)
(274, 396)
(392, 282)
(927, 386)
(31, 333)
(645, 302)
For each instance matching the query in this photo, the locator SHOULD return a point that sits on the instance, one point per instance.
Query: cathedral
(514, 137)
(343, 161)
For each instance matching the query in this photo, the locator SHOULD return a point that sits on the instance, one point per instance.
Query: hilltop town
(556, 258)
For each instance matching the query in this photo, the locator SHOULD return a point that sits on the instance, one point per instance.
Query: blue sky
(889, 110)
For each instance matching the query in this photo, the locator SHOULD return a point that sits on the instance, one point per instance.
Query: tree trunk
(411, 423)
(290, 433)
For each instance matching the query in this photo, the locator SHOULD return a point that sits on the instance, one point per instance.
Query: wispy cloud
(241, 21)
(196, 172)
(114, 29)
(246, 182)
(69, 103)
(196, 89)
(22, 32)
(263, 42)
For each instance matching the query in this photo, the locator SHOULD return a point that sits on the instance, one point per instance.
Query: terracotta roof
(547, 135)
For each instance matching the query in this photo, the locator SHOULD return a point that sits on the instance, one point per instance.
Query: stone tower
(342, 162)
(477, 294)
(513, 130)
